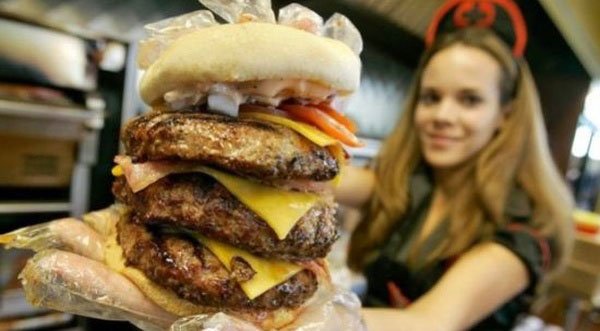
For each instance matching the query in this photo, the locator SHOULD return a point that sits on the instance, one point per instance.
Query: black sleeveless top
(392, 283)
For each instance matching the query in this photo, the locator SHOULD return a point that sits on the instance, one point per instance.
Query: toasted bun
(170, 302)
(249, 52)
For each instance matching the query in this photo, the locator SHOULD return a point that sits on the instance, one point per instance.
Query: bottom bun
(169, 301)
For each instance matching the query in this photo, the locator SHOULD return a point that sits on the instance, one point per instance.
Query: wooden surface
(581, 277)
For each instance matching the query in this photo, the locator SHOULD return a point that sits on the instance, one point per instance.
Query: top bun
(249, 52)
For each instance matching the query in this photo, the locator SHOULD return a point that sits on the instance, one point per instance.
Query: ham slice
(141, 175)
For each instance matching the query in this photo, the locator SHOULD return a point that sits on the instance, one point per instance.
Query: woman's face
(458, 110)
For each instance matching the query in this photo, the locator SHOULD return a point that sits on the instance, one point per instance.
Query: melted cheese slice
(310, 132)
(280, 209)
(7, 238)
(269, 273)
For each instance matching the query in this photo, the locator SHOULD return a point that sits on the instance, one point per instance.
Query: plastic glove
(68, 274)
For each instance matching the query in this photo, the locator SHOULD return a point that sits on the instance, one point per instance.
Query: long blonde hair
(517, 154)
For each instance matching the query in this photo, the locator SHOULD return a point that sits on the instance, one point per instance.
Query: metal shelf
(16, 313)
(61, 123)
(21, 207)
(13, 303)
(91, 118)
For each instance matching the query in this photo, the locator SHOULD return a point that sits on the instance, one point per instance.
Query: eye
(429, 97)
(470, 99)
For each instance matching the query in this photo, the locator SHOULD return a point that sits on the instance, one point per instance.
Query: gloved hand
(68, 274)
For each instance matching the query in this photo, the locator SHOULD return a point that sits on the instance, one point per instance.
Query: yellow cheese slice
(310, 132)
(7, 238)
(279, 208)
(269, 273)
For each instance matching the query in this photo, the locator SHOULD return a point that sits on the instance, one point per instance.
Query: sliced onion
(179, 99)
(224, 104)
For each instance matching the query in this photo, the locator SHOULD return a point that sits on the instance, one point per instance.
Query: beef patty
(247, 147)
(198, 202)
(195, 274)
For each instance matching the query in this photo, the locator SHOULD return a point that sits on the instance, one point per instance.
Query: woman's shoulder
(518, 206)
(521, 237)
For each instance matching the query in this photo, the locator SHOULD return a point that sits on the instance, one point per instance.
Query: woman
(465, 212)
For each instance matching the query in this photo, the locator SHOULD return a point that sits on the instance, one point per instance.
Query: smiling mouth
(440, 141)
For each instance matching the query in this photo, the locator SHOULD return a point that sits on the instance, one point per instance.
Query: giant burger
(228, 179)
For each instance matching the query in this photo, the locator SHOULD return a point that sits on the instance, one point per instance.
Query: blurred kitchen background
(68, 80)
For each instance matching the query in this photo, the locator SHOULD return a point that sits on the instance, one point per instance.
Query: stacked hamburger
(228, 180)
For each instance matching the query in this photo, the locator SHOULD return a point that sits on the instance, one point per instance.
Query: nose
(445, 112)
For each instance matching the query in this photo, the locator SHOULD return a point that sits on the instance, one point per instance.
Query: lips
(439, 140)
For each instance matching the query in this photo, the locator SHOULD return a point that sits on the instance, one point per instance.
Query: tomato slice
(324, 122)
(336, 115)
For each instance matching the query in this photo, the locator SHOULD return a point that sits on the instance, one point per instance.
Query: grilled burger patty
(195, 274)
(198, 202)
(247, 147)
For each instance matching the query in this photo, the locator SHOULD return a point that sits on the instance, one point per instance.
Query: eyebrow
(469, 90)
(462, 90)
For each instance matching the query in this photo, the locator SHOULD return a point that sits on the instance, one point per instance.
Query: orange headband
(480, 13)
